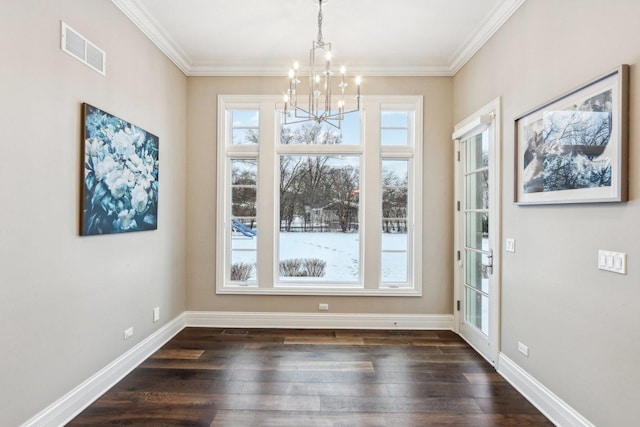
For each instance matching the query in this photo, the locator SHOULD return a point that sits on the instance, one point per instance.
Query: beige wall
(582, 325)
(65, 300)
(436, 207)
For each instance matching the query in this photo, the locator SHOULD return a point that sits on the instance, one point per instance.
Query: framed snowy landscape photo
(119, 175)
(573, 149)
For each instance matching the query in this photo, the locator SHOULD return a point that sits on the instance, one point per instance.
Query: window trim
(372, 153)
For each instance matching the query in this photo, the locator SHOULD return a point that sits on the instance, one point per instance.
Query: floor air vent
(399, 333)
(235, 332)
(82, 49)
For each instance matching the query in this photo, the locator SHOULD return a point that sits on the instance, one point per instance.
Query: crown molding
(495, 20)
(262, 71)
(151, 28)
(142, 19)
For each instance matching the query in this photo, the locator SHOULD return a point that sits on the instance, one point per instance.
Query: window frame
(267, 153)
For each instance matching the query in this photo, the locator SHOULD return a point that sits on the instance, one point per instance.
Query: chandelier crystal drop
(320, 106)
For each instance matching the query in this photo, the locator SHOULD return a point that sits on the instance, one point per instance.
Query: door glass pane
(477, 152)
(244, 173)
(319, 231)
(477, 274)
(477, 187)
(477, 230)
(477, 310)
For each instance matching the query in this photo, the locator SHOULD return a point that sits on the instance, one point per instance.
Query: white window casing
(371, 153)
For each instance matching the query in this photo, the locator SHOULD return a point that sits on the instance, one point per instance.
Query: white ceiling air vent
(82, 49)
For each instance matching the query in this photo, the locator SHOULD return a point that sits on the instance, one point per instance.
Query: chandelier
(320, 106)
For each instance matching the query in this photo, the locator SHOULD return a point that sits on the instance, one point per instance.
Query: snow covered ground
(339, 250)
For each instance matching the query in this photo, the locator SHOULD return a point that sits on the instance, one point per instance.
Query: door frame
(488, 117)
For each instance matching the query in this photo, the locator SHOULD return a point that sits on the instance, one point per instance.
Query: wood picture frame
(573, 149)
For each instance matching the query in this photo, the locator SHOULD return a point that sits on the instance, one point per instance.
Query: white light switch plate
(616, 262)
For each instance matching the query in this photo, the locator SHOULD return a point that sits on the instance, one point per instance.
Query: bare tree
(244, 190)
(394, 201)
(303, 178)
(345, 194)
(291, 168)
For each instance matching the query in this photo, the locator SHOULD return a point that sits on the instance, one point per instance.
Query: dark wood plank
(272, 377)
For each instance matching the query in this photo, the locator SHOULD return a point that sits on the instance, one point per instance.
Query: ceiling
(369, 37)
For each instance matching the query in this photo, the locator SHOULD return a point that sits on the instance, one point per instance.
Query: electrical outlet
(156, 314)
(323, 307)
(128, 333)
(523, 349)
(510, 245)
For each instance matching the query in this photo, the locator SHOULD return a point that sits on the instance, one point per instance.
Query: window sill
(288, 290)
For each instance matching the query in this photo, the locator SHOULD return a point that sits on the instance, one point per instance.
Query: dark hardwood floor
(270, 377)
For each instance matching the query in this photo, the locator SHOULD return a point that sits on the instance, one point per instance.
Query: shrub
(314, 267)
(302, 267)
(241, 271)
(291, 268)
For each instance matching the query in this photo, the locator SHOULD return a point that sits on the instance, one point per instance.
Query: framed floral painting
(120, 175)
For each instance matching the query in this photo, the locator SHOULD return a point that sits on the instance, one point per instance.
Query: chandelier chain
(319, 37)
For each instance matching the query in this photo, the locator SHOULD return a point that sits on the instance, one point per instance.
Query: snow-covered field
(339, 250)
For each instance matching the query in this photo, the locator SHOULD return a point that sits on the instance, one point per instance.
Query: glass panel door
(478, 255)
(477, 231)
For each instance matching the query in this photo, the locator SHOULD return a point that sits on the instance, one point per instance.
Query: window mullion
(372, 202)
(266, 214)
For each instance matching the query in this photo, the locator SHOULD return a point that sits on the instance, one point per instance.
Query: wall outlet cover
(128, 333)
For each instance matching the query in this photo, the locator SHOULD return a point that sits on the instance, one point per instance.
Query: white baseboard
(554, 408)
(74, 402)
(71, 404)
(224, 319)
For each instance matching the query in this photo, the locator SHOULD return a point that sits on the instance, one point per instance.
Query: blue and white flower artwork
(120, 182)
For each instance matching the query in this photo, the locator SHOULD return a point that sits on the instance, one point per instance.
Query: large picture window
(306, 208)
